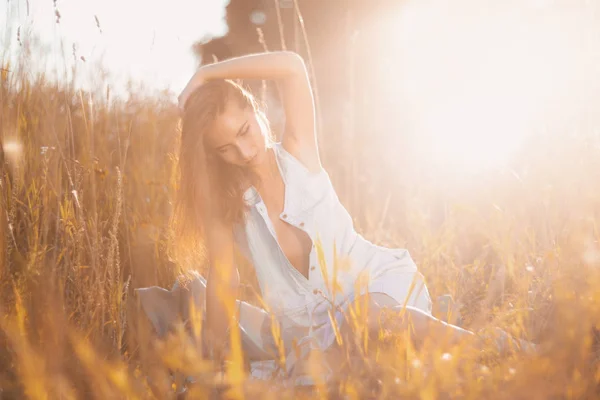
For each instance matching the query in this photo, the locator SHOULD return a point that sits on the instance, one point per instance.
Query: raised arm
(289, 71)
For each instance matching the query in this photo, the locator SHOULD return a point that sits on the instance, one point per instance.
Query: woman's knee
(370, 309)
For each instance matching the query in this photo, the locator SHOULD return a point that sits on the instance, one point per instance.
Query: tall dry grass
(87, 182)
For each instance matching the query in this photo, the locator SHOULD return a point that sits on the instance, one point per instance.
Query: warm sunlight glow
(476, 83)
(147, 41)
(427, 222)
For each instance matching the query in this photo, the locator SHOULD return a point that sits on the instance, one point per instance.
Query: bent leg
(371, 311)
(165, 307)
(420, 322)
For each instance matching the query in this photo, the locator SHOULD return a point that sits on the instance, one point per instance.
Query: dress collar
(251, 196)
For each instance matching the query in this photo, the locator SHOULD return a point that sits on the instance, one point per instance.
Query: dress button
(301, 224)
(284, 216)
(316, 291)
(312, 268)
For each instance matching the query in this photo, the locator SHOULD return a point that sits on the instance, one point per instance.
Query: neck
(268, 168)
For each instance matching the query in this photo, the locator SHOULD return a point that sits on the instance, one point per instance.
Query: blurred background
(466, 132)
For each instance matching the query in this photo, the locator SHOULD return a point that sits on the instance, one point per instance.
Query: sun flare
(478, 83)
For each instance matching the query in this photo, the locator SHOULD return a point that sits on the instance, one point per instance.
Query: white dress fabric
(340, 259)
(311, 204)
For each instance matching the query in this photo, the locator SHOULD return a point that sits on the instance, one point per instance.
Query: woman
(276, 204)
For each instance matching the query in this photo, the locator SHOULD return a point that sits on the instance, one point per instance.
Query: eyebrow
(237, 134)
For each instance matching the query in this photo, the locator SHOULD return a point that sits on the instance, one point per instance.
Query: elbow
(294, 61)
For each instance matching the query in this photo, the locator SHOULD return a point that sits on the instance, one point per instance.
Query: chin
(259, 159)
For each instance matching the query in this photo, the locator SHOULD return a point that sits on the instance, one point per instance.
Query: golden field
(87, 186)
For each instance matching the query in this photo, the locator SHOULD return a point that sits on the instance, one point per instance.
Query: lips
(252, 160)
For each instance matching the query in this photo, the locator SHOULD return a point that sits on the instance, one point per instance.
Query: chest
(293, 241)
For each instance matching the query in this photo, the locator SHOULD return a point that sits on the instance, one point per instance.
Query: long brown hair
(209, 187)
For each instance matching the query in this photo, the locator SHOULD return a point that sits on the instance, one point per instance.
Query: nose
(246, 152)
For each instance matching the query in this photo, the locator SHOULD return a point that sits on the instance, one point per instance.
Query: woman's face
(237, 137)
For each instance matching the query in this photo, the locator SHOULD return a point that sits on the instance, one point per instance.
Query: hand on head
(191, 86)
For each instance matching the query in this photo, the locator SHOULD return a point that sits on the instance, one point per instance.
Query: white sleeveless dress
(340, 260)
(311, 204)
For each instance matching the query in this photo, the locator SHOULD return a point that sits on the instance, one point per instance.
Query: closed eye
(245, 130)
(241, 132)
